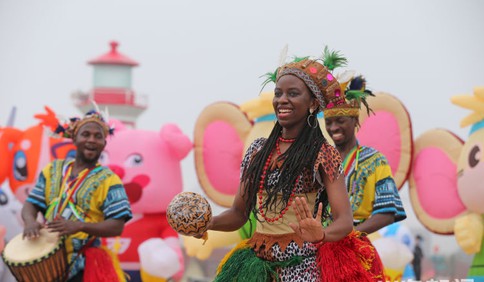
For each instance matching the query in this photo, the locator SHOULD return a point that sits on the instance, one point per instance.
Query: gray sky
(193, 53)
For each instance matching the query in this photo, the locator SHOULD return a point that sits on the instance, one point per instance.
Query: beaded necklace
(262, 180)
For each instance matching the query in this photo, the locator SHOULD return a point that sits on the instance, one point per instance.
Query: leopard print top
(281, 247)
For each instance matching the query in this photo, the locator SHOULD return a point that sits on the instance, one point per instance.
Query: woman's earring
(309, 119)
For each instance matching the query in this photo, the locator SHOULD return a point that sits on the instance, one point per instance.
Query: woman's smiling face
(292, 101)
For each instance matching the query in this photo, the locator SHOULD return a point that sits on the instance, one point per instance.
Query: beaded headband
(337, 96)
(316, 74)
(355, 94)
(70, 128)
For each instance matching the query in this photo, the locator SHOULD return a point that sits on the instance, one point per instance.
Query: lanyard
(350, 158)
(68, 189)
(353, 156)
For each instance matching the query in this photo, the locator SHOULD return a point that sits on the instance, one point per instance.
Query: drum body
(43, 259)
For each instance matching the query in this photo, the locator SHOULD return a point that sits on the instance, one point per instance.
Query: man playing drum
(80, 199)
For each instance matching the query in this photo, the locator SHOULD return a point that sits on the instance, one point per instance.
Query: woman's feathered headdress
(316, 74)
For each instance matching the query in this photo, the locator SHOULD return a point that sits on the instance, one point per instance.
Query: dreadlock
(300, 156)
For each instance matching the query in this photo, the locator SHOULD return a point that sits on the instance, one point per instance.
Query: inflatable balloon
(402, 236)
(446, 182)
(28, 151)
(394, 256)
(148, 163)
(391, 118)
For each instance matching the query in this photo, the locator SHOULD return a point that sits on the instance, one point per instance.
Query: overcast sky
(193, 53)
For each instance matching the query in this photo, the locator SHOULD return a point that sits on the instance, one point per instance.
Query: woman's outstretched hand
(307, 227)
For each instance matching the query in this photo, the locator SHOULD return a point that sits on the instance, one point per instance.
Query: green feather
(298, 59)
(270, 77)
(359, 96)
(333, 59)
(356, 94)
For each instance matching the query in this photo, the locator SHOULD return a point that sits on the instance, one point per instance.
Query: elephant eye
(474, 156)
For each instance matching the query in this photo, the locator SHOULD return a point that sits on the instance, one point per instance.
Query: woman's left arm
(340, 208)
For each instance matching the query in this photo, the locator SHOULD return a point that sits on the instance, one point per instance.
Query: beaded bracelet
(319, 243)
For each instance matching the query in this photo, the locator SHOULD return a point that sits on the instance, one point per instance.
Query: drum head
(20, 250)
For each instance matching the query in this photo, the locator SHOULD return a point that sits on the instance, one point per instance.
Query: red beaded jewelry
(280, 139)
(262, 180)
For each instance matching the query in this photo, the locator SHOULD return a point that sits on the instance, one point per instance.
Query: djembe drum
(189, 214)
(42, 259)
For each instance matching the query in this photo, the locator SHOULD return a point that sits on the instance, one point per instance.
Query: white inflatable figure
(5, 274)
(394, 256)
(402, 234)
(10, 213)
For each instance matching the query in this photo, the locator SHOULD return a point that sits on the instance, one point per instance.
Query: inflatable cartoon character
(9, 205)
(394, 244)
(447, 181)
(223, 132)
(28, 151)
(148, 163)
(8, 136)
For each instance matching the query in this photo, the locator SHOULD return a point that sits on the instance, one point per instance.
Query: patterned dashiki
(99, 196)
(370, 185)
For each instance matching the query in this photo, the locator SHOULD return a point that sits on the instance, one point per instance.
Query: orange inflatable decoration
(27, 151)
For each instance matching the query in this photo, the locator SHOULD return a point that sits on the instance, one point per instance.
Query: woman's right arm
(340, 208)
(233, 218)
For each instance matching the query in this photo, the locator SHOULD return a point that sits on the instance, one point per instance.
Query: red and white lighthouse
(112, 88)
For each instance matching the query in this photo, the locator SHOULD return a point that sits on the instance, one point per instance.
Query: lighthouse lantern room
(112, 88)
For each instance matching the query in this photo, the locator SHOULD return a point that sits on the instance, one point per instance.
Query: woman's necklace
(263, 177)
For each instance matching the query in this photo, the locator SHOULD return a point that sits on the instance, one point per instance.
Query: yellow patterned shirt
(99, 196)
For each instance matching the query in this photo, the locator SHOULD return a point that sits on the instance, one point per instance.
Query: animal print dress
(276, 241)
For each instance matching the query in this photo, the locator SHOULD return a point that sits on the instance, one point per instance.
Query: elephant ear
(394, 139)
(220, 133)
(433, 180)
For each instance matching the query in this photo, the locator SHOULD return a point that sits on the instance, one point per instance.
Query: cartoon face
(148, 164)
(32, 150)
(470, 172)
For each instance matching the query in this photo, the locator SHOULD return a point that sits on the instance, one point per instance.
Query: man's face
(90, 142)
(341, 129)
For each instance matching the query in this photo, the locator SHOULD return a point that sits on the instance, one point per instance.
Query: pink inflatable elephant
(148, 163)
